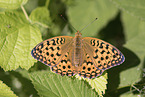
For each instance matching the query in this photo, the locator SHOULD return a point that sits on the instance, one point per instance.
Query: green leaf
(17, 37)
(98, 83)
(133, 7)
(135, 36)
(49, 84)
(137, 46)
(41, 16)
(82, 13)
(5, 91)
(132, 26)
(12, 4)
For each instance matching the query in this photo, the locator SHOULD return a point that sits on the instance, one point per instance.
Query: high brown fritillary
(87, 56)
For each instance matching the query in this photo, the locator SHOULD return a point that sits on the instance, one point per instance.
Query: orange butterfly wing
(103, 54)
(88, 69)
(65, 66)
(99, 56)
(51, 51)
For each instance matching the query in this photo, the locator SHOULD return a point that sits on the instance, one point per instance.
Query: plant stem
(25, 13)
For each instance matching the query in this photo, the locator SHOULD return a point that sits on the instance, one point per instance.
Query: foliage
(25, 23)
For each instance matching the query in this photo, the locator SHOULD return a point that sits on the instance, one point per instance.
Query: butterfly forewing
(103, 54)
(51, 51)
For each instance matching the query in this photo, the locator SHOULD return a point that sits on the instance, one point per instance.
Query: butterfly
(89, 57)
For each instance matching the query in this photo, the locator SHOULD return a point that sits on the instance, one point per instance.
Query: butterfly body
(77, 50)
(89, 57)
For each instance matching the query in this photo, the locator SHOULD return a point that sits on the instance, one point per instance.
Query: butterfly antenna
(68, 22)
(89, 24)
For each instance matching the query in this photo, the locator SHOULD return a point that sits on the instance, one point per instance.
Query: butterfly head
(78, 33)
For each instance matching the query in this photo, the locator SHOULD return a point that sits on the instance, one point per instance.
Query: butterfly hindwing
(52, 50)
(88, 69)
(65, 66)
(104, 55)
